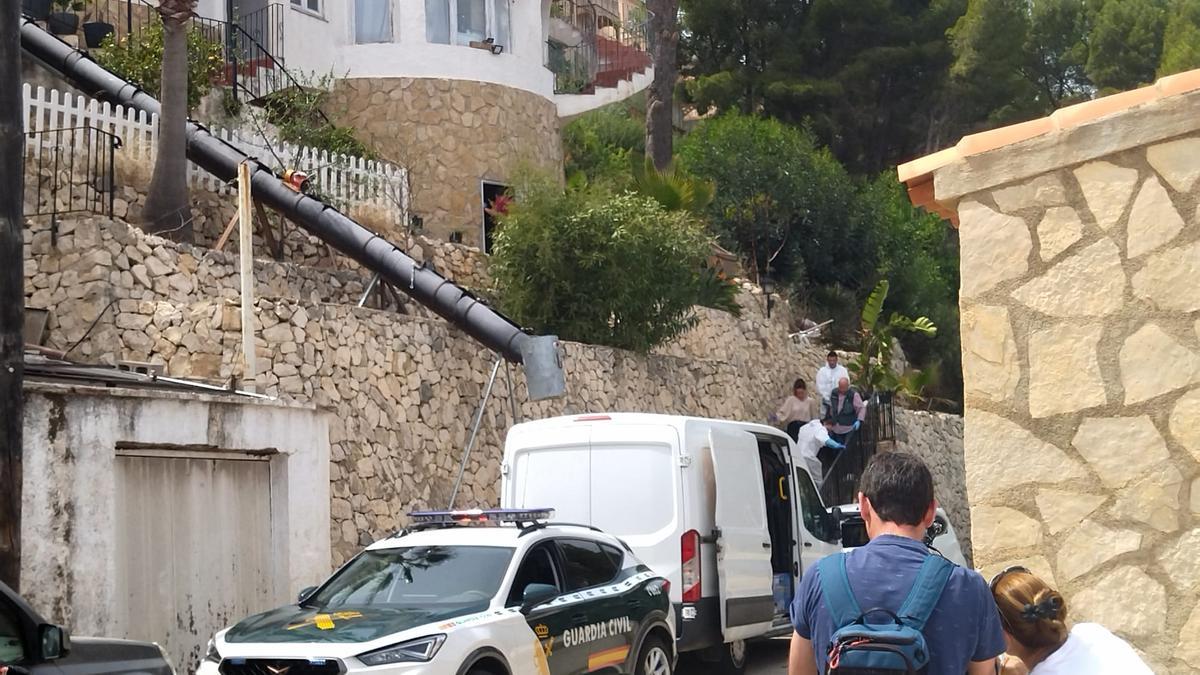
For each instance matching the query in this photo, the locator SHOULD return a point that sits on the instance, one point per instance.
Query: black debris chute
(214, 155)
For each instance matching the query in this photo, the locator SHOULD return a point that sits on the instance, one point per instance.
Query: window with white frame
(313, 6)
(372, 21)
(462, 22)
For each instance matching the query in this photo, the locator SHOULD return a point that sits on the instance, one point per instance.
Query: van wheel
(730, 658)
(654, 659)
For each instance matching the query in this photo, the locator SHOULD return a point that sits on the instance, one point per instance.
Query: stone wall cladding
(937, 438)
(403, 386)
(451, 134)
(1081, 356)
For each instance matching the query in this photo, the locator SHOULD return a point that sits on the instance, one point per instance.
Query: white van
(719, 508)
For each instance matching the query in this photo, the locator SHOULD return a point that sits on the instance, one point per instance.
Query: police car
(497, 592)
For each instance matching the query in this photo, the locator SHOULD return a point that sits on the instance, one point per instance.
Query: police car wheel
(654, 659)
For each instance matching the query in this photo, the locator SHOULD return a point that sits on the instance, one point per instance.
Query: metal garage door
(193, 547)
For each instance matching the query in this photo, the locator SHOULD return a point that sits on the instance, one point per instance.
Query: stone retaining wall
(451, 134)
(937, 438)
(1082, 368)
(403, 387)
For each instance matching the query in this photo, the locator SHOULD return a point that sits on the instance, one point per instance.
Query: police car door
(602, 623)
(549, 621)
(744, 544)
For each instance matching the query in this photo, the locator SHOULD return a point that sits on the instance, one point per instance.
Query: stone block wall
(451, 134)
(1081, 358)
(402, 387)
(937, 438)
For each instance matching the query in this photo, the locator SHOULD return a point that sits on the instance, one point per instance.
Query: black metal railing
(842, 475)
(251, 43)
(70, 170)
(592, 45)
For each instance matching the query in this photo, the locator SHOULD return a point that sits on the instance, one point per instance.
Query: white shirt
(827, 379)
(810, 439)
(1091, 649)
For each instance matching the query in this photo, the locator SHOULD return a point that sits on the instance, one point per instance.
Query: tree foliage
(139, 60)
(588, 265)
(600, 143)
(781, 201)
(872, 368)
(1181, 38)
(862, 74)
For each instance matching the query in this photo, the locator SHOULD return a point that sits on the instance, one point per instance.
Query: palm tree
(168, 207)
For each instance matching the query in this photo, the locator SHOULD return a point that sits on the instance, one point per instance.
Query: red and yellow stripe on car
(607, 658)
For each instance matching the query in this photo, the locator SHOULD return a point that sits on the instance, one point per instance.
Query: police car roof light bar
(476, 516)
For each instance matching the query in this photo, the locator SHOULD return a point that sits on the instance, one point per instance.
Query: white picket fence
(343, 180)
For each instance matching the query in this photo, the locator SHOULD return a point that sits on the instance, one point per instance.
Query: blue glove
(857, 424)
(834, 444)
(772, 418)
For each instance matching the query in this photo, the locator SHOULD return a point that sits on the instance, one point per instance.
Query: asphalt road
(767, 657)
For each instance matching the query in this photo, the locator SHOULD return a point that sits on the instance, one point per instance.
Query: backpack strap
(926, 591)
(835, 589)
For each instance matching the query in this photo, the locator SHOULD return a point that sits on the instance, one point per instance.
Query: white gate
(193, 546)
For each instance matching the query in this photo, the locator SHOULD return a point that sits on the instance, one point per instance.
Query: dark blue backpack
(860, 647)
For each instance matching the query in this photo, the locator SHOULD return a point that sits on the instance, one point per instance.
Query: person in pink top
(796, 410)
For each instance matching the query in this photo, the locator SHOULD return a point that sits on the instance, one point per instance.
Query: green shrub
(296, 113)
(588, 266)
(139, 60)
(599, 145)
(780, 195)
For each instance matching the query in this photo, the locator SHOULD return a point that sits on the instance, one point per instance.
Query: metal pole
(462, 467)
(512, 394)
(12, 292)
(246, 252)
(362, 302)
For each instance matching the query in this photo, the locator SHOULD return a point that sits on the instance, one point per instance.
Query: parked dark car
(30, 644)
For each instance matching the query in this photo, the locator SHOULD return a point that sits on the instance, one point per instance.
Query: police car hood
(295, 624)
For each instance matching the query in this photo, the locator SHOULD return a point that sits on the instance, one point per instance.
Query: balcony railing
(596, 43)
(251, 43)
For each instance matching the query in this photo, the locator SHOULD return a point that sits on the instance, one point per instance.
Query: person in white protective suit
(810, 439)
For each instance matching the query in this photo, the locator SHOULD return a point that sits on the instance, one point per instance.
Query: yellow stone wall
(451, 134)
(1081, 356)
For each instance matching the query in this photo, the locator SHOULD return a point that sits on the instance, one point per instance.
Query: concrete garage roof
(931, 186)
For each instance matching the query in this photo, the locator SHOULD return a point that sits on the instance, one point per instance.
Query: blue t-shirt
(964, 627)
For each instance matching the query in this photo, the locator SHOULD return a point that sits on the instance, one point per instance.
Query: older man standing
(827, 378)
(846, 411)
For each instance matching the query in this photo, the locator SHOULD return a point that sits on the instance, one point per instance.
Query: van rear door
(550, 470)
(743, 542)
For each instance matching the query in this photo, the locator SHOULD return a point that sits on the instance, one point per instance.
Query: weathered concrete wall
(1081, 357)
(451, 134)
(937, 438)
(70, 562)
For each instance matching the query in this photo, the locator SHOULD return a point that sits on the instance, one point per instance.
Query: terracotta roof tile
(918, 174)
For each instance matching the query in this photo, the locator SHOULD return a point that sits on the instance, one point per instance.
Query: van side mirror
(835, 523)
(54, 642)
(305, 593)
(935, 530)
(537, 594)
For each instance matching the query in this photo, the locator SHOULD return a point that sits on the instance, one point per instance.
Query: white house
(460, 91)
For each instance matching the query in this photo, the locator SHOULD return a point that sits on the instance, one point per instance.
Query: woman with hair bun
(1034, 619)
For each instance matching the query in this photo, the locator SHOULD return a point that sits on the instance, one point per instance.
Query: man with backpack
(894, 606)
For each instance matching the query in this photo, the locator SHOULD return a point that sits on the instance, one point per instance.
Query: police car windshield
(461, 577)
